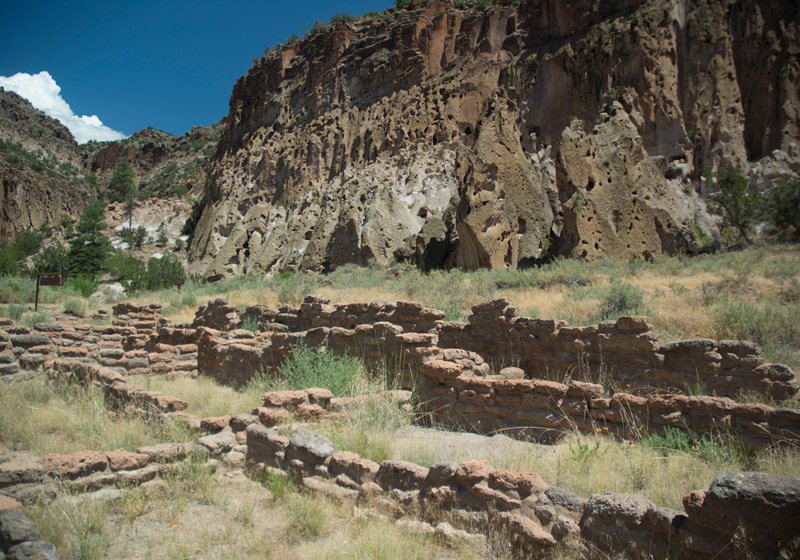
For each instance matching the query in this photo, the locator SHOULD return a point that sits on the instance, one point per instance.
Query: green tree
(89, 251)
(52, 259)
(734, 201)
(782, 204)
(27, 242)
(92, 218)
(10, 257)
(122, 187)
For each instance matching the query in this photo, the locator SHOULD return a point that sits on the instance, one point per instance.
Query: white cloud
(45, 94)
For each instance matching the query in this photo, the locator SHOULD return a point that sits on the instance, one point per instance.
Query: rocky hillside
(454, 133)
(165, 165)
(40, 168)
(45, 174)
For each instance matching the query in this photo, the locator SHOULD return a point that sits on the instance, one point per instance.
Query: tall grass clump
(76, 307)
(17, 289)
(620, 299)
(15, 311)
(49, 417)
(307, 516)
(776, 327)
(317, 367)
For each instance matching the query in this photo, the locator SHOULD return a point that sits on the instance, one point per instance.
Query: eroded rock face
(493, 137)
(45, 185)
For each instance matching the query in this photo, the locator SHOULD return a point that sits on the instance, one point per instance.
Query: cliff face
(164, 164)
(493, 137)
(40, 178)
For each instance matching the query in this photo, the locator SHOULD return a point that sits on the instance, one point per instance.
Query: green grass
(315, 367)
(75, 307)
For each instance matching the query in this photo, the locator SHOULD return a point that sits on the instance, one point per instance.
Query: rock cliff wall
(497, 136)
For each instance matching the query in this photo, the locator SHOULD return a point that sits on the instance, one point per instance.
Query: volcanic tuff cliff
(495, 136)
(39, 165)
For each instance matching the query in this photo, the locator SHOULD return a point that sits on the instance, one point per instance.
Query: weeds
(317, 367)
(59, 418)
(15, 311)
(307, 516)
(33, 319)
(75, 307)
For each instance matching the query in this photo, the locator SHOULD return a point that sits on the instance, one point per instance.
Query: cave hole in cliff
(468, 130)
(590, 184)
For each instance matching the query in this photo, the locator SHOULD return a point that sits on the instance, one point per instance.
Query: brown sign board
(180, 281)
(50, 280)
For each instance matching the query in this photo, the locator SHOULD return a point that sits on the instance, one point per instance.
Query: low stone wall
(234, 357)
(317, 311)
(538, 517)
(138, 342)
(451, 374)
(542, 410)
(118, 390)
(625, 352)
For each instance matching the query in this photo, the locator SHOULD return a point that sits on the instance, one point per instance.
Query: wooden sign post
(180, 282)
(46, 279)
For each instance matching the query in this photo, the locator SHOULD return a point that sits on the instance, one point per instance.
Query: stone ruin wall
(538, 517)
(455, 387)
(447, 363)
(626, 353)
(452, 381)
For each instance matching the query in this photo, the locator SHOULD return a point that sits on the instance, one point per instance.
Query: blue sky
(171, 65)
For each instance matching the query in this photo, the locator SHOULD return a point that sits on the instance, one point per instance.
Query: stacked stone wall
(137, 342)
(538, 517)
(544, 410)
(316, 311)
(625, 353)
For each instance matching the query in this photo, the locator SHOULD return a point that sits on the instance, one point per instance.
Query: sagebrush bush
(620, 299)
(15, 311)
(75, 307)
(83, 284)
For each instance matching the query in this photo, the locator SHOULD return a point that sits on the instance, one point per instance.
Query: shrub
(75, 307)
(33, 319)
(134, 238)
(194, 217)
(180, 190)
(83, 284)
(782, 204)
(307, 517)
(52, 258)
(17, 289)
(15, 311)
(622, 298)
(162, 234)
(27, 242)
(162, 272)
(318, 367)
(250, 324)
(9, 259)
(131, 271)
(734, 201)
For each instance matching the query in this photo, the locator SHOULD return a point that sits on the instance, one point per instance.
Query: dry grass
(587, 465)
(205, 396)
(236, 518)
(53, 418)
